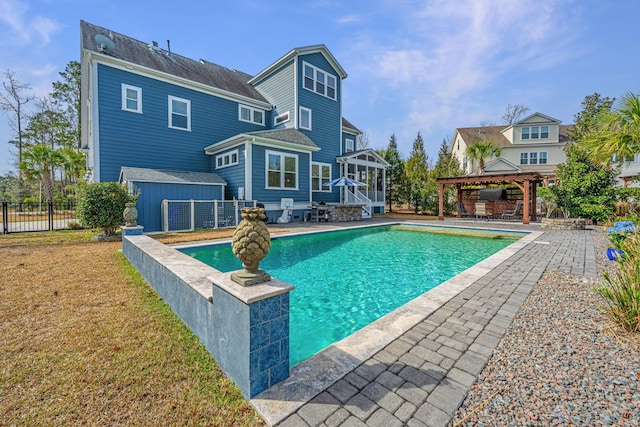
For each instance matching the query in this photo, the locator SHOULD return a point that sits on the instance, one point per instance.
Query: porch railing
(189, 215)
(357, 197)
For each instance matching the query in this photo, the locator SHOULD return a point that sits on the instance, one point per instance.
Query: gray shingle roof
(494, 134)
(141, 53)
(293, 136)
(176, 177)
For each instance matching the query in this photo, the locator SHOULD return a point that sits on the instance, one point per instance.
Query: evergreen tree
(66, 97)
(446, 166)
(585, 120)
(395, 172)
(417, 171)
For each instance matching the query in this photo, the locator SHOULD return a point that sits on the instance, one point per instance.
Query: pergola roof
(492, 178)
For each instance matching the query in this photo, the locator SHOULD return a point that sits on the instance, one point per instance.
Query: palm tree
(38, 161)
(617, 131)
(482, 150)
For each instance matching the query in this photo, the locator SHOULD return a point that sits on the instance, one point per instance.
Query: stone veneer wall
(563, 223)
(340, 213)
(246, 329)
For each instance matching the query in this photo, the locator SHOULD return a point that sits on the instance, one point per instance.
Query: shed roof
(130, 174)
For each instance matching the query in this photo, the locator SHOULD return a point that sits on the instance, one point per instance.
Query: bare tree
(513, 112)
(12, 100)
(363, 140)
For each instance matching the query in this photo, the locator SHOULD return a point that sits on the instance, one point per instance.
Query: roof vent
(104, 44)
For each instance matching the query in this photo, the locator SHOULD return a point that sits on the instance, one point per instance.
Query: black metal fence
(47, 216)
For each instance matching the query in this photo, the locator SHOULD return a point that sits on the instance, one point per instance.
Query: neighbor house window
(131, 98)
(464, 163)
(282, 170)
(544, 132)
(348, 145)
(251, 115)
(305, 118)
(319, 81)
(533, 158)
(534, 132)
(179, 113)
(320, 174)
(284, 117)
(227, 159)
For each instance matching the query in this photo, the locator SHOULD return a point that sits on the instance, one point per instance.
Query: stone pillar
(251, 332)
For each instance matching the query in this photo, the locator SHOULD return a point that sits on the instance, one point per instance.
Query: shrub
(101, 206)
(621, 290)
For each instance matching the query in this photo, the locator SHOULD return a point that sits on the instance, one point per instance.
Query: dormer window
(319, 81)
(534, 132)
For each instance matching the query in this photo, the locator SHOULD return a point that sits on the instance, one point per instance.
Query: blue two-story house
(182, 129)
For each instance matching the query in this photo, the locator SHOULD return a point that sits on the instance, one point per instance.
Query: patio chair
(517, 211)
(462, 211)
(481, 211)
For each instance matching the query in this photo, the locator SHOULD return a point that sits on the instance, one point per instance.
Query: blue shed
(157, 185)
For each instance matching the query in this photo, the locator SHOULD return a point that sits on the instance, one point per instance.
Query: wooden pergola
(526, 181)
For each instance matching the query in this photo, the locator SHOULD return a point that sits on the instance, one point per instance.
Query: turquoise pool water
(347, 279)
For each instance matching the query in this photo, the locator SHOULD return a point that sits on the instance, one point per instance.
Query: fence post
(215, 213)
(165, 215)
(193, 215)
(5, 217)
(50, 205)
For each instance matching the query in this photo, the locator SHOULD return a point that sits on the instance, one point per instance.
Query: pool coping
(315, 374)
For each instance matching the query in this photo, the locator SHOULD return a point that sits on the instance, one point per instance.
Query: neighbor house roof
(346, 124)
(494, 134)
(130, 174)
(104, 41)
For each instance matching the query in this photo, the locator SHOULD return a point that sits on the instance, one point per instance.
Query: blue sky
(428, 66)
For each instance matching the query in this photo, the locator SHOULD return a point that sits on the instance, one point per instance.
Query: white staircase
(357, 197)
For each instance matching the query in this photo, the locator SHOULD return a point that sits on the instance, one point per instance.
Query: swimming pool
(347, 279)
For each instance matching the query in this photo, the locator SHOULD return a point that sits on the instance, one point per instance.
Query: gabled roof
(286, 138)
(100, 40)
(347, 126)
(351, 154)
(130, 174)
(501, 161)
(495, 134)
(545, 119)
(305, 50)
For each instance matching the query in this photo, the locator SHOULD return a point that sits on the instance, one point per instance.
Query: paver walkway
(421, 378)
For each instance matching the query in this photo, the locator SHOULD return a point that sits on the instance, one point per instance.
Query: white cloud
(22, 27)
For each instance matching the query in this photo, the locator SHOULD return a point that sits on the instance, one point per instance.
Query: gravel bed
(561, 362)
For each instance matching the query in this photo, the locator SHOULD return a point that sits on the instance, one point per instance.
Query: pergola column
(441, 201)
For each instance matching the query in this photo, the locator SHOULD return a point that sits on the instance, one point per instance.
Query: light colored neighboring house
(534, 144)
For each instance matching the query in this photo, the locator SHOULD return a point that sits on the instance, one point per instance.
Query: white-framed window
(319, 81)
(349, 145)
(227, 159)
(320, 174)
(534, 158)
(305, 118)
(281, 118)
(534, 132)
(131, 98)
(179, 113)
(464, 163)
(250, 115)
(282, 170)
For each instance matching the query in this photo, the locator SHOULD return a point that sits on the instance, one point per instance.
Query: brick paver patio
(422, 377)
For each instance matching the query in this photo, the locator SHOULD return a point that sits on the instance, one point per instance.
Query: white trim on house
(226, 159)
(284, 118)
(96, 57)
(172, 98)
(323, 189)
(283, 171)
(304, 110)
(252, 114)
(248, 170)
(125, 98)
(94, 127)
